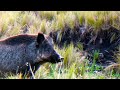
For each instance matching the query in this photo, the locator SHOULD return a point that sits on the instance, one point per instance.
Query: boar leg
(26, 70)
(29, 70)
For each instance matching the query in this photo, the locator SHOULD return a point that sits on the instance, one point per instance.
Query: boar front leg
(27, 71)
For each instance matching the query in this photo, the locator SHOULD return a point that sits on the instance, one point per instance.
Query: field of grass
(74, 66)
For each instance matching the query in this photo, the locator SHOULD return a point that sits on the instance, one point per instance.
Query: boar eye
(48, 49)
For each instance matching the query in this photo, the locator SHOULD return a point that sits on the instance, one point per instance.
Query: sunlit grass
(57, 20)
(74, 65)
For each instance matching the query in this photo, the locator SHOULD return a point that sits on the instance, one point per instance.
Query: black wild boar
(17, 51)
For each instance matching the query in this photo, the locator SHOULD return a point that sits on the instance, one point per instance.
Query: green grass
(95, 57)
(74, 66)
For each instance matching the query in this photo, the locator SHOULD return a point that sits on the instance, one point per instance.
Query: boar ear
(40, 38)
(51, 34)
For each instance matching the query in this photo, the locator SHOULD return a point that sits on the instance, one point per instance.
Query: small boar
(17, 51)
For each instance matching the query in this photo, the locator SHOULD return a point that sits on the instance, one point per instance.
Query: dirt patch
(106, 41)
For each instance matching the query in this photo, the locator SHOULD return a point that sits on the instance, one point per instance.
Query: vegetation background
(74, 66)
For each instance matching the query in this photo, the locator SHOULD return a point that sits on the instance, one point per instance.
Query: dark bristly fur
(16, 51)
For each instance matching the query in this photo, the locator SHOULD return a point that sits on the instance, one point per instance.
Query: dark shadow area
(106, 41)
